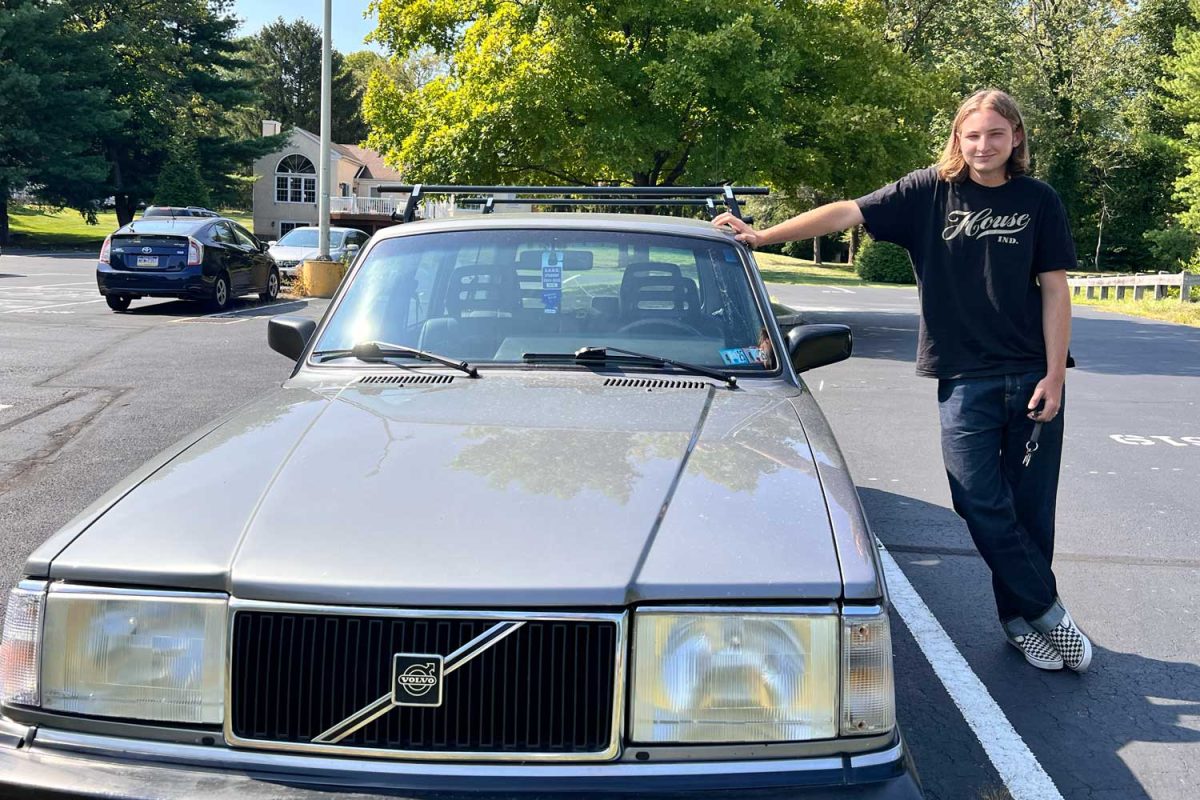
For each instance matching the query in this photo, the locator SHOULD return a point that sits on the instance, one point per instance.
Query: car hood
(498, 492)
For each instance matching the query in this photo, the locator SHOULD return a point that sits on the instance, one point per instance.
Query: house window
(295, 180)
(284, 227)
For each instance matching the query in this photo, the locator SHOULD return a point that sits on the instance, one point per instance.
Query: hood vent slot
(653, 383)
(408, 380)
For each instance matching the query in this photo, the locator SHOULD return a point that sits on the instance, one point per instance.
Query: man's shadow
(1085, 730)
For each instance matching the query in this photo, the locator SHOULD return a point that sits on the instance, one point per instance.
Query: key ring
(1032, 445)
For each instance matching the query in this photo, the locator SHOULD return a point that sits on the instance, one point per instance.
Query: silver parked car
(299, 244)
(544, 506)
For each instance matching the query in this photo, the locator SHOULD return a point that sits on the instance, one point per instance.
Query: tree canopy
(286, 72)
(650, 93)
(54, 106)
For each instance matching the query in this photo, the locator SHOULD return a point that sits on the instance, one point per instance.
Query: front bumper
(288, 269)
(45, 762)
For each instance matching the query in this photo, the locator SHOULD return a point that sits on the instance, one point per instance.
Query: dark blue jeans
(1009, 508)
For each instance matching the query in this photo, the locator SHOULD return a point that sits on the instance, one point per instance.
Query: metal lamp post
(326, 125)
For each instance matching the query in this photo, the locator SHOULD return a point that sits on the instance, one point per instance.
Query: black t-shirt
(977, 251)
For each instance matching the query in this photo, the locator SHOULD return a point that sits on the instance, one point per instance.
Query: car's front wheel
(118, 302)
(220, 293)
(269, 294)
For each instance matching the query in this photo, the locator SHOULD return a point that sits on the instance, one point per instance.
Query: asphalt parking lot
(86, 395)
(1127, 557)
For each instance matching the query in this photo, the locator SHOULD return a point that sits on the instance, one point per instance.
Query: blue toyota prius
(193, 258)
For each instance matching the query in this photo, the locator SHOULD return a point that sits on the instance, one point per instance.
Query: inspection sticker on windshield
(552, 266)
(741, 356)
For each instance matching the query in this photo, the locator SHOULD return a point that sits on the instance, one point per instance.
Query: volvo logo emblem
(417, 680)
(147, 249)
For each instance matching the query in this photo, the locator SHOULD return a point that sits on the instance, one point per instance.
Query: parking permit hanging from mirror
(552, 268)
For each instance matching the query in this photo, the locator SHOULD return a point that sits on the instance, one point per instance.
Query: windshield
(494, 296)
(307, 237)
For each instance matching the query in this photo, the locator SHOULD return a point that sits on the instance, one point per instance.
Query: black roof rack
(703, 196)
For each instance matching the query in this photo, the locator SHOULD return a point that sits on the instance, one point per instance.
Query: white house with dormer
(285, 189)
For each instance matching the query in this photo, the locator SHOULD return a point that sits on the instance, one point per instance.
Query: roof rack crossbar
(603, 191)
(604, 195)
(577, 201)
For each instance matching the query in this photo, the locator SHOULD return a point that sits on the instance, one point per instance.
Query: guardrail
(1139, 283)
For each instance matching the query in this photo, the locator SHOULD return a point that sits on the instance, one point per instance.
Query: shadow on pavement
(1109, 346)
(238, 308)
(1081, 728)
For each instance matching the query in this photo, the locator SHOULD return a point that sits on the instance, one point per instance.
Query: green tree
(970, 44)
(1181, 100)
(287, 75)
(53, 108)
(179, 182)
(650, 93)
(1085, 73)
(175, 62)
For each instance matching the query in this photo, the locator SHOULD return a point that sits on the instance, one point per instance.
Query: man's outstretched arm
(825, 219)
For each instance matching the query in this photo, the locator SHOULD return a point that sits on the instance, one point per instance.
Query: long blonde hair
(952, 167)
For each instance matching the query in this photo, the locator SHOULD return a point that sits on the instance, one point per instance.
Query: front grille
(546, 689)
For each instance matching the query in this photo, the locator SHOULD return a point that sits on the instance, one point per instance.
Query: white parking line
(57, 305)
(1014, 761)
(46, 286)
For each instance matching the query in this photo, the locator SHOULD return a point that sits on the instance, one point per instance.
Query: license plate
(147, 261)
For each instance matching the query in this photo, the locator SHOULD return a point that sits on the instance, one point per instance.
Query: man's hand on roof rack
(742, 232)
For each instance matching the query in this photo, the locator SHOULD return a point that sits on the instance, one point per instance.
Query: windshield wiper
(380, 352)
(593, 353)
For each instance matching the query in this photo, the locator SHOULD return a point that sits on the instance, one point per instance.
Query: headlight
(19, 646)
(868, 698)
(736, 676)
(134, 655)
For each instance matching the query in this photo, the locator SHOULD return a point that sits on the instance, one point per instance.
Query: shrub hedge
(881, 262)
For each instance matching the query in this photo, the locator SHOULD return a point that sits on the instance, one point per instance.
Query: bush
(881, 262)
(1172, 248)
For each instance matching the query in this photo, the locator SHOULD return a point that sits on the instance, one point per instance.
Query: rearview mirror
(812, 346)
(289, 335)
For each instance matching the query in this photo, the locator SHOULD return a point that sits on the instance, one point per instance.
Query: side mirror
(812, 346)
(263, 247)
(289, 335)
(272, 243)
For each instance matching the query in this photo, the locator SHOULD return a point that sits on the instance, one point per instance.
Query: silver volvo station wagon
(544, 509)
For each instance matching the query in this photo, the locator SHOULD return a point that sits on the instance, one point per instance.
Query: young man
(990, 247)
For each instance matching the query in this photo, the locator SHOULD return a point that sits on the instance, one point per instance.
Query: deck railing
(363, 205)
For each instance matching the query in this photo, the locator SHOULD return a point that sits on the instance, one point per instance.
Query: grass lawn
(1169, 310)
(36, 228)
(784, 269)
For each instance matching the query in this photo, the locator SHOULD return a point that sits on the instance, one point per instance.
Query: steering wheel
(665, 322)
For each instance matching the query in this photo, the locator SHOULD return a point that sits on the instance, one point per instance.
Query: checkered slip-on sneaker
(1037, 650)
(1071, 643)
